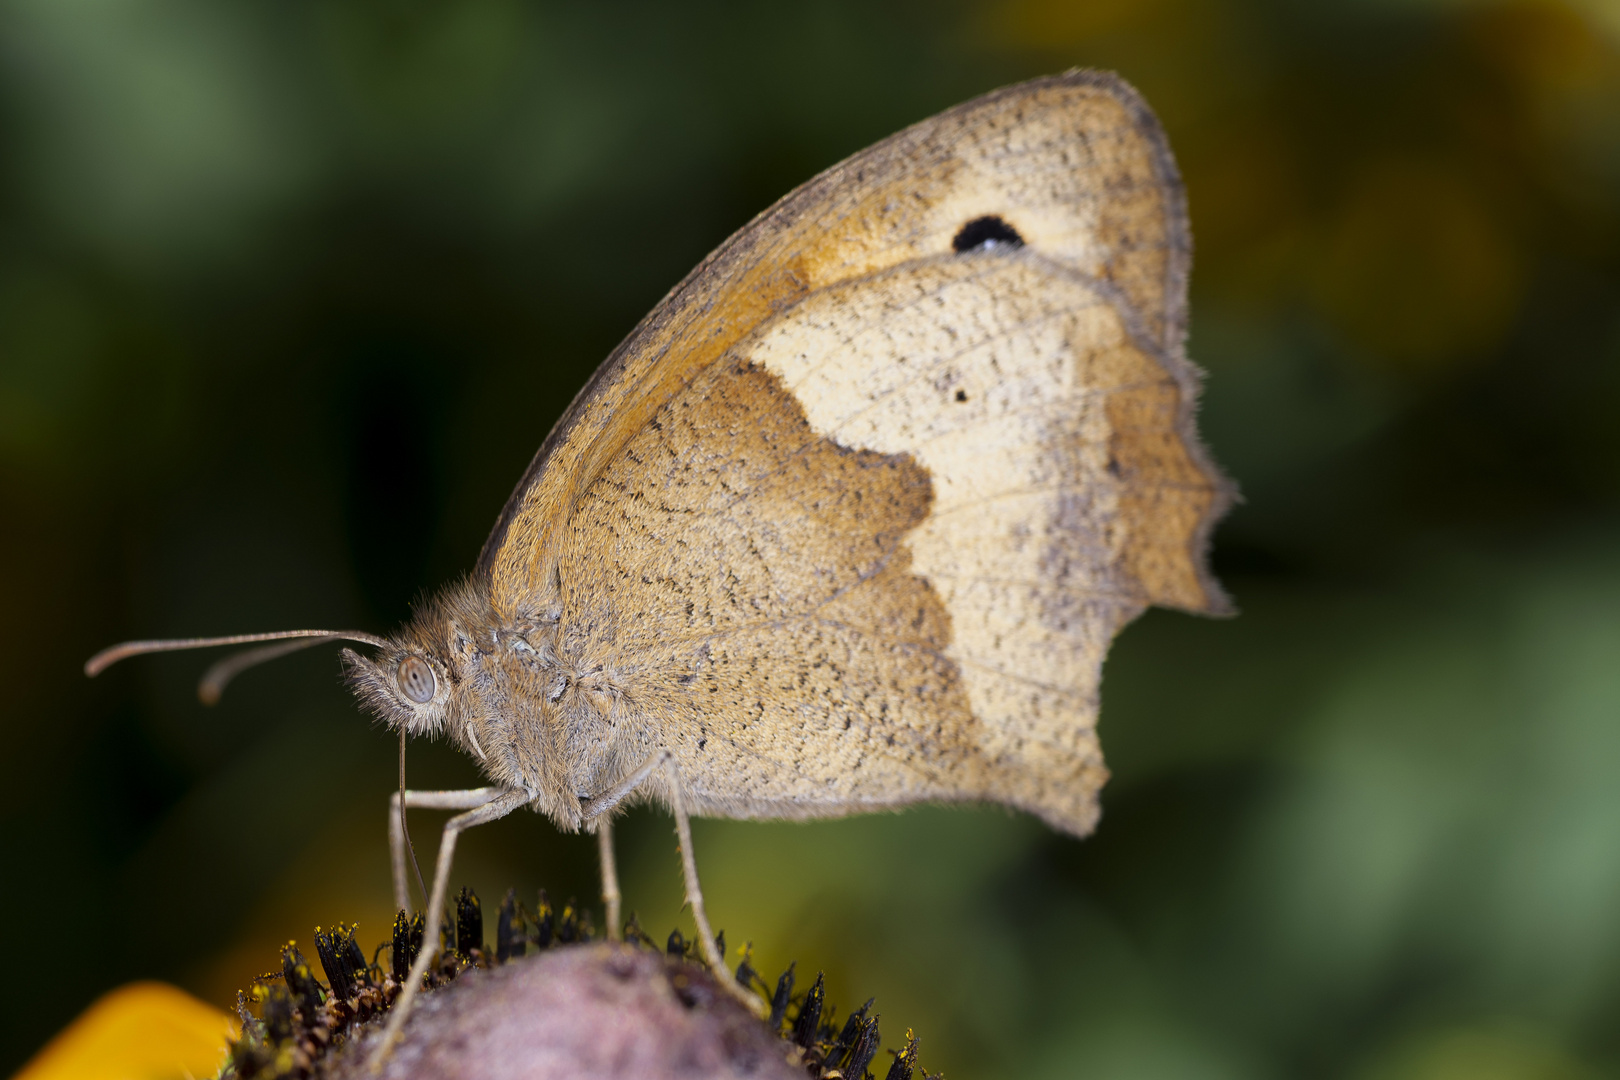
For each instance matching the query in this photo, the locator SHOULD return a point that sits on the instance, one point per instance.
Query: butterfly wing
(851, 518)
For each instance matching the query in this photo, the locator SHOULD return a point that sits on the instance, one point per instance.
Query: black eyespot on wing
(986, 232)
(961, 395)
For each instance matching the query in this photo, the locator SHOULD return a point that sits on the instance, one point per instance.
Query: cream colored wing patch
(993, 371)
(1002, 373)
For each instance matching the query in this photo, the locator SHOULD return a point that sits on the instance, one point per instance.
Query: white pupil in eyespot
(416, 680)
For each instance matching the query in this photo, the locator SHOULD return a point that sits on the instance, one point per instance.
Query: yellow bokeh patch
(142, 1031)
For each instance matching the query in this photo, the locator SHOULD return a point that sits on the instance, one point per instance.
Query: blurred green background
(291, 291)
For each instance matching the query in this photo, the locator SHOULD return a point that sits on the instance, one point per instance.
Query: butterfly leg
(599, 809)
(694, 897)
(610, 877)
(424, 800)
(598, 805)
(495, 803)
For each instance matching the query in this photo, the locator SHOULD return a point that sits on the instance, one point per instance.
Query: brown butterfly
(849, 521)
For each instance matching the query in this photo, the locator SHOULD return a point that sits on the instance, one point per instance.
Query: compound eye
(416, 680)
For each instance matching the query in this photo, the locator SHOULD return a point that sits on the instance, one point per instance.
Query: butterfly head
(493, 687)
(425, 680)
(407, 686)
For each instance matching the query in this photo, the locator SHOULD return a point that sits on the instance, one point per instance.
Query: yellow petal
(142, 1031)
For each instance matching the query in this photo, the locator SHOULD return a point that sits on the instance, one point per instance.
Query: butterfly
(848, 522)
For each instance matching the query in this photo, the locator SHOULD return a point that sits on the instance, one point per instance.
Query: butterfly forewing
(851, 519)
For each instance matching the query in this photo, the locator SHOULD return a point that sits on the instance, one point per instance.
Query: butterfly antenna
(215, 679)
